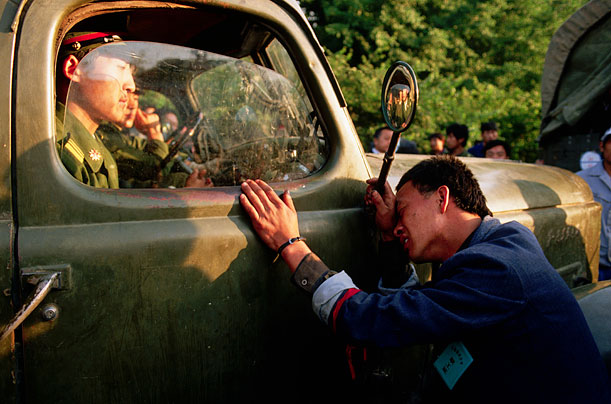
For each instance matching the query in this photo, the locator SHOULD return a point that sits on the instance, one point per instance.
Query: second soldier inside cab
(138, 159)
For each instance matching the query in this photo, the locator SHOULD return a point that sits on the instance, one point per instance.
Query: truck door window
(282, 63)
(142, 114)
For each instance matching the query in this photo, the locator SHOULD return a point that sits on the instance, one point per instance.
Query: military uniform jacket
(82, 153)
(138, 159)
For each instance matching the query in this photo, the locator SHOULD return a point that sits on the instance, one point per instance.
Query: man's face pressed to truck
(419, 226)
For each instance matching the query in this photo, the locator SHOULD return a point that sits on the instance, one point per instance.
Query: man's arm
(274, 220)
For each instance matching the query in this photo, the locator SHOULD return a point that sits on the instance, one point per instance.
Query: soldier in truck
(91, 91)
(98, 91)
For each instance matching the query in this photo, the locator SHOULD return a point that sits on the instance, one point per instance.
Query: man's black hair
(498, 142)
(430, 174)
(379, 130)
(459, 131)
(488, 126)
(436, 135)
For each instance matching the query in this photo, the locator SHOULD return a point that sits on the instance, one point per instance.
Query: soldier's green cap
(81, 43)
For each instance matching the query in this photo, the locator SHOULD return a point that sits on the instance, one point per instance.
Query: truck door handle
(45, 279)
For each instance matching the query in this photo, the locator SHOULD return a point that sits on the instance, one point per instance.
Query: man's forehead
(497, 149)
(406, 194)
(409, 194)
(104, 63)
(110, 59)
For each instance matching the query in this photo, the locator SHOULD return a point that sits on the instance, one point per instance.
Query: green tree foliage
(476, 60)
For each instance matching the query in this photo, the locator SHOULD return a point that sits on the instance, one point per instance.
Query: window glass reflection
(141, 114)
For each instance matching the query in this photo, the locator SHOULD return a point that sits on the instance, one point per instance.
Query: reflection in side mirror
(399, 101)
(399, 96)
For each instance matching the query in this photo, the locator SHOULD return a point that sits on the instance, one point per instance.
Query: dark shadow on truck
(178, 309)
(295, 350)
(562, 243)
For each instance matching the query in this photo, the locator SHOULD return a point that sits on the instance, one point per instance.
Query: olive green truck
(165, 294)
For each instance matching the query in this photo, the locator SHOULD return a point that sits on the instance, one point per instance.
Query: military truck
(165, 294)
(576, 88)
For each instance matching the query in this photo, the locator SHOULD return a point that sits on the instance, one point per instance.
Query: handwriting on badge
(452, 363)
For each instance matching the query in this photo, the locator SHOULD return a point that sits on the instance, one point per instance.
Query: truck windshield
(232, 118)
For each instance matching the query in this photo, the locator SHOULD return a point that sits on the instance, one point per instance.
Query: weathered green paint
(7, 40)
(172, 297)
(192, 307)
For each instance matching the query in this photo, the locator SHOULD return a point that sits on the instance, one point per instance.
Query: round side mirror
(399, 96)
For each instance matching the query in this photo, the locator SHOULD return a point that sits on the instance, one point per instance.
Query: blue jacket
(477, 150)
(502, 299)
(600, 184)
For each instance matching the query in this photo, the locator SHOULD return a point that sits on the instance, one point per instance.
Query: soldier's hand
(148, 123)
(386, 217)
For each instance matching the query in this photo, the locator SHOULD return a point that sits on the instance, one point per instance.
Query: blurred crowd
(454, 142)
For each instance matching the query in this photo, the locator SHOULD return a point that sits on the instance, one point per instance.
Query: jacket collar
(487, 225)
(599, 171)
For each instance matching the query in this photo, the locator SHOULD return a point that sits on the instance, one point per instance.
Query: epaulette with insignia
(75, 150)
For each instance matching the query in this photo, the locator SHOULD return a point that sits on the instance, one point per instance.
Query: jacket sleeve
(468, 297)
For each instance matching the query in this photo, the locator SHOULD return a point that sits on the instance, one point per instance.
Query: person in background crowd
(381, 141)
(437, 143)
(489, 133)
(497, 149)
(598, 178)
(456, 140)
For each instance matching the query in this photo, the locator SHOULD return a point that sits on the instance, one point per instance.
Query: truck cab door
(8, 354)
(168, 295)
